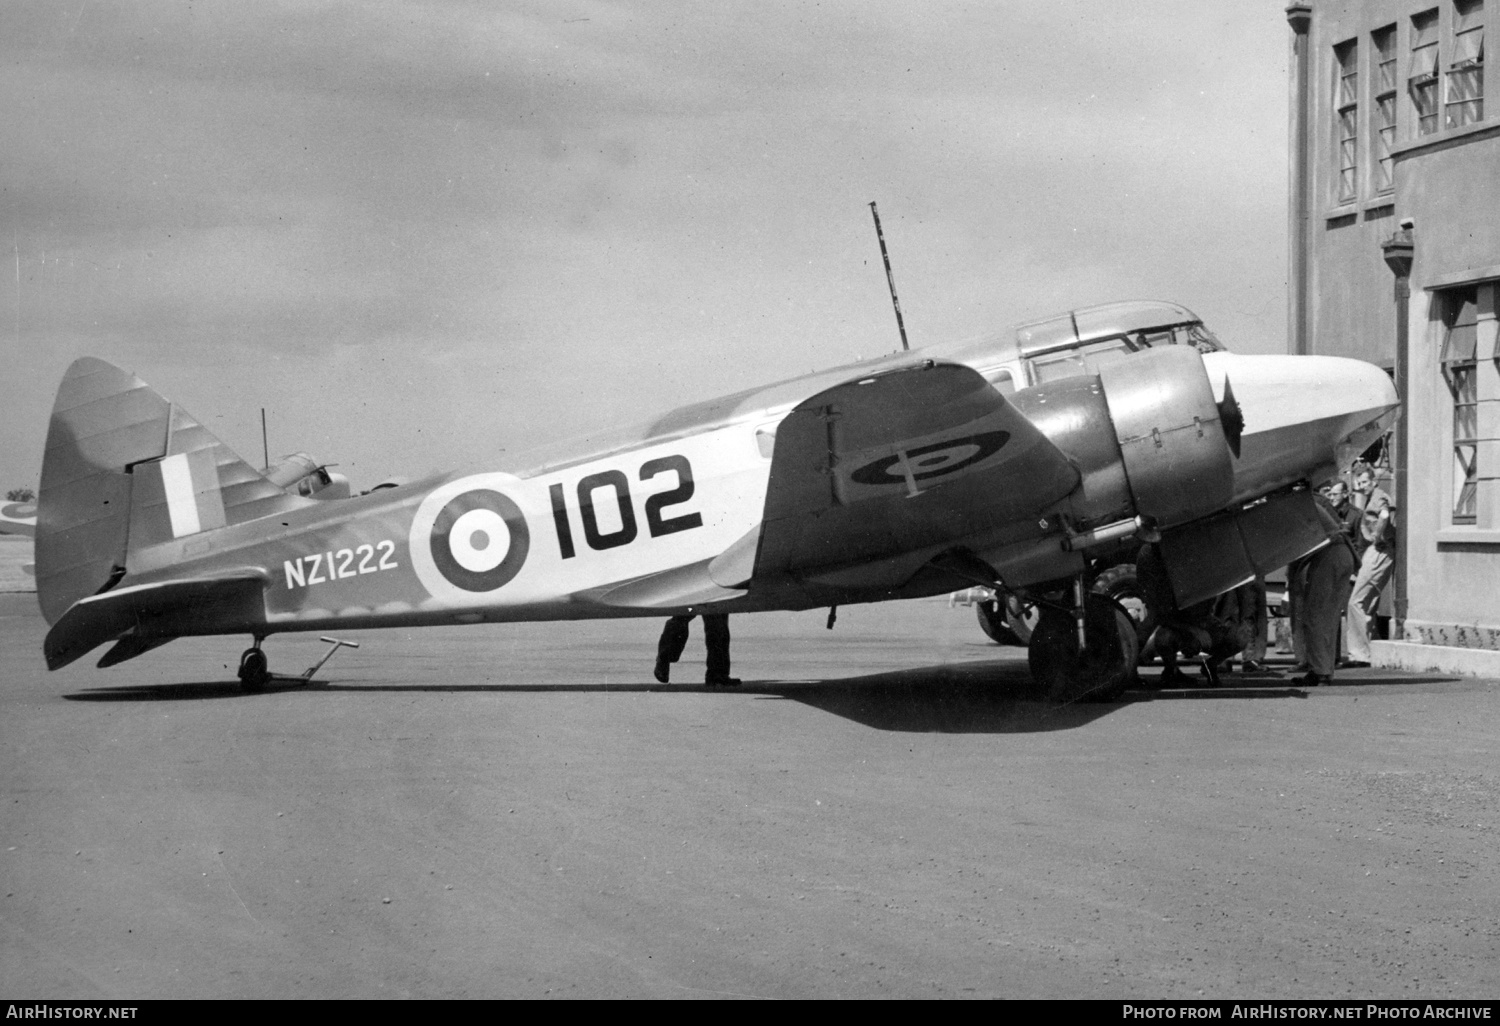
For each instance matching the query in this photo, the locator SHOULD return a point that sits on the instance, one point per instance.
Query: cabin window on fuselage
(1001, 378)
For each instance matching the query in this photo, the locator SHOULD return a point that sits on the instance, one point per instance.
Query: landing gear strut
(1099, 669)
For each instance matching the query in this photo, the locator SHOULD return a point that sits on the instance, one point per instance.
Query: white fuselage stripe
(182, 500)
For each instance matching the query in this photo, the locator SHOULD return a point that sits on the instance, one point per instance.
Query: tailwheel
(253, 669)
(1105, 666)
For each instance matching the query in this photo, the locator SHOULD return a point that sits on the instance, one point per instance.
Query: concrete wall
(1452, 192)
(1347, 271)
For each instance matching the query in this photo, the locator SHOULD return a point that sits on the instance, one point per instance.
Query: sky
(428, 236)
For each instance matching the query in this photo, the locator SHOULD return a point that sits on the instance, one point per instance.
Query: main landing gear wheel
(1102, 670)
(253, 669)
(1007, 621)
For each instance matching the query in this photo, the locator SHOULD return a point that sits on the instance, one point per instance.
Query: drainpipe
(1299, 16)
(1398, 251)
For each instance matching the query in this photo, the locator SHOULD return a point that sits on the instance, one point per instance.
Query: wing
(915, 457)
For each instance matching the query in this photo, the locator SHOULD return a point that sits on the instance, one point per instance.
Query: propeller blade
(1231, 419)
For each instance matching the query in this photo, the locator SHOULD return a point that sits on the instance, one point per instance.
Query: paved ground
(16, 570)
(518, 811)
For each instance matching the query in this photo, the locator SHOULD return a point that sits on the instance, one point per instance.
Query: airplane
(903, 476)
(300, 473)
(18, 518)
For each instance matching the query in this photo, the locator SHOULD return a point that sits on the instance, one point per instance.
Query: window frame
(1459, 365)
(1468, 23)
(1385, 81)
(1425, 37)
(1346, 122)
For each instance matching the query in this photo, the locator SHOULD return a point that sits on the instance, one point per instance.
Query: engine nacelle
(1172, 444)
(1149, 441)
(1145, 435)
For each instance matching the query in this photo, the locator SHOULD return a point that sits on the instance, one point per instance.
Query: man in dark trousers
(1322, 589)
(715, 634)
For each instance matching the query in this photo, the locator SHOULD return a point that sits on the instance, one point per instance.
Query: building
(1395, 258)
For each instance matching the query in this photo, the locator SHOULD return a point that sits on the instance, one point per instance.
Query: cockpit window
(1195, 335)
(1083, 360)
(1204, 339)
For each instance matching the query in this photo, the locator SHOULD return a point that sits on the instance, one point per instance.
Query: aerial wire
(889, 280)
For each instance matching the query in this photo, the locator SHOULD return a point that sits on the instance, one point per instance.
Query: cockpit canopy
(1079, 341)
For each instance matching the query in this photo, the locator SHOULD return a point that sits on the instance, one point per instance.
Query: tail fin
(125, 468)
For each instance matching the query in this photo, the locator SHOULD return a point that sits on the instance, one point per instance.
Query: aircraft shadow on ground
(992, 698)
(966, 698)
(978, 697)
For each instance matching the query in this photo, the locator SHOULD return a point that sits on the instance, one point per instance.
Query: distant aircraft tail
(125, 469)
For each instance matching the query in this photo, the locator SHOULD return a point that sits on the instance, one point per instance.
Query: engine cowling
(1173, 446)
(1145, 435)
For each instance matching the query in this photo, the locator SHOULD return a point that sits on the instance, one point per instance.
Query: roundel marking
(19, 510)
(479, 540)
(931, 461)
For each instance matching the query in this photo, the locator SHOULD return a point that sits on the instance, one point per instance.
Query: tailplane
(126, 468)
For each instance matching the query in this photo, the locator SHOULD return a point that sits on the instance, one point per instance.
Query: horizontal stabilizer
(145, 613)
(129, 647)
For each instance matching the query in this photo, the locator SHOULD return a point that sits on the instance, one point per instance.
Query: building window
(1465, 100)
(1460, 311)
(1383, 45)
(1422, 76)
(1346, 58)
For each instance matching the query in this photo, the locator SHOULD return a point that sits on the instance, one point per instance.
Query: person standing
(1336, 496)
(1322, 592)
(1376, 564)
(1254, 658)
(674, 638)
(1349, 514)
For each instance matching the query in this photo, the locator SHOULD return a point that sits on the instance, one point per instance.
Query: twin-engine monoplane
(906, 476)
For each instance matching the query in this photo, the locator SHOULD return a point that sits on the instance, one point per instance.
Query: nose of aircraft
(1304, 415)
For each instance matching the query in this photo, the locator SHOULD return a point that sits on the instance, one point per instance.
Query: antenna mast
(900, 324)
(265, 446)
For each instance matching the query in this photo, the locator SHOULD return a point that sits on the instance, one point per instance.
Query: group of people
(1340, 583)
(1345, 579)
